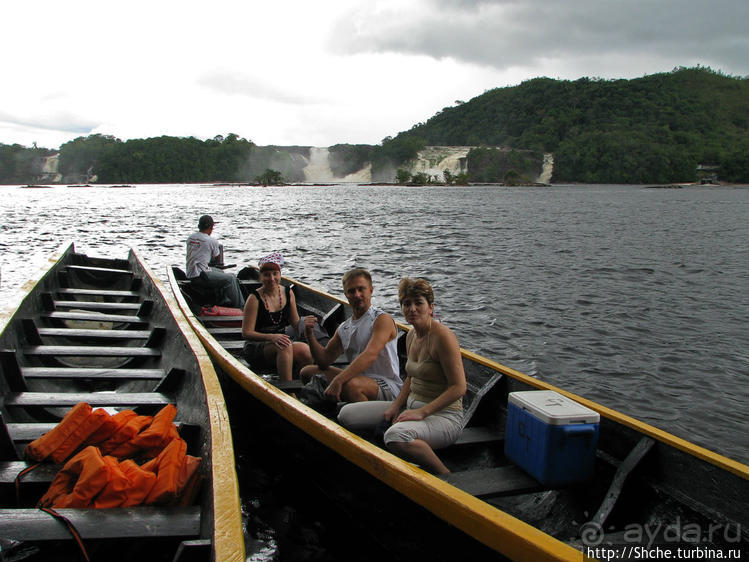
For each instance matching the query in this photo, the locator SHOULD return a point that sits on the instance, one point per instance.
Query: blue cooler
(551, 437)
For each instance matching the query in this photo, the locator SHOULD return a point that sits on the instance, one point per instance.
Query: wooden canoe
(102, 331)
(646, 482)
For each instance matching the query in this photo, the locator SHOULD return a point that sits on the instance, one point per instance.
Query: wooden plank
(288, 386)
(479, 434)
(633, 458)
(231, 330)
(93, 333)
(51, 399)
(90, 372)
(134, 522)
(92, 351)
(97, 292)
(232, 345)
(94, 317)
(221, 318)
(27, 432)
(97, 305)
(493, 481)
(44, 473)
(99, 269)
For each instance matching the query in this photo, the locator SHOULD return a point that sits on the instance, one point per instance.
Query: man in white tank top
(201, 250)
(368, 339)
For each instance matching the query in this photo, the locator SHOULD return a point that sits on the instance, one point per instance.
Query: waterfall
(547, 169)
(318, 167)
(434, 160)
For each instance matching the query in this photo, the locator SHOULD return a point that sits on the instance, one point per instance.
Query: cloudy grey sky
(324, 72)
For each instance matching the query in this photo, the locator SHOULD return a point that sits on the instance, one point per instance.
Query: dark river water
(635, 297)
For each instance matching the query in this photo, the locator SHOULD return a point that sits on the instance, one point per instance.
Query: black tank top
(272, 322)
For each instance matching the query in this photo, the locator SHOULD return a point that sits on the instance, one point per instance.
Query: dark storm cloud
(507, 33)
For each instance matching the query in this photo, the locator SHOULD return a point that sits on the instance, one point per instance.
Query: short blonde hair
(415, 288)
(356, 272)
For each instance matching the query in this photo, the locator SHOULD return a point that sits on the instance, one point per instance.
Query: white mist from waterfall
(318, 169)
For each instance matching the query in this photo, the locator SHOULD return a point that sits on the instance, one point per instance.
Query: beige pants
(437, 430)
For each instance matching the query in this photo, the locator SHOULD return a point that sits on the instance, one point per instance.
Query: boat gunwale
(228, 536)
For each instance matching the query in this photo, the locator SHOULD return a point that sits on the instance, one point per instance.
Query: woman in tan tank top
(428, 413)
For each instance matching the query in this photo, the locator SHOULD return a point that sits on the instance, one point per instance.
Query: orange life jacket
(153, 438)
(67, 436)
(174, 471)
(132, 427)
(95, 478)
(111, 426)
(92, 480)
(79, 481)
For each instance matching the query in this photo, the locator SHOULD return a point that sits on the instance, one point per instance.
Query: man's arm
(323, 356)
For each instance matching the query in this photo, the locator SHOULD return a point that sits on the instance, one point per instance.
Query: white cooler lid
(553, 408)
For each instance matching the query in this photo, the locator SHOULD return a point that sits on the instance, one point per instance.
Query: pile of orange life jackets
(101, 471)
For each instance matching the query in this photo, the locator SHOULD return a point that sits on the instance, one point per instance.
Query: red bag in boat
(218, 311)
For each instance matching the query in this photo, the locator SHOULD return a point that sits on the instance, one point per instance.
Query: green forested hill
(651, 129)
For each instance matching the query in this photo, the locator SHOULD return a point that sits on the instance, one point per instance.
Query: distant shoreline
(372, 184)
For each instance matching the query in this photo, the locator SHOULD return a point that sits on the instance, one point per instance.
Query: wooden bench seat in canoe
(96, 292)
(94, 333)
(91, 373)
(221, 318)
(92, 269)
(133, 522)
(44, 473)
(232, 345)
(225, 331)
(95, 399)
(96, 305)
(91, 351)
(94, 317)
(27, 432)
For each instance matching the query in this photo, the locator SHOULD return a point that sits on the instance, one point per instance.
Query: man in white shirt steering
(202, 250)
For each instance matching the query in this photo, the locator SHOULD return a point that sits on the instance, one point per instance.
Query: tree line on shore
(655, 129)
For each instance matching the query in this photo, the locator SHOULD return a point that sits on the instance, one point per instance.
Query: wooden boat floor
(487, 482)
